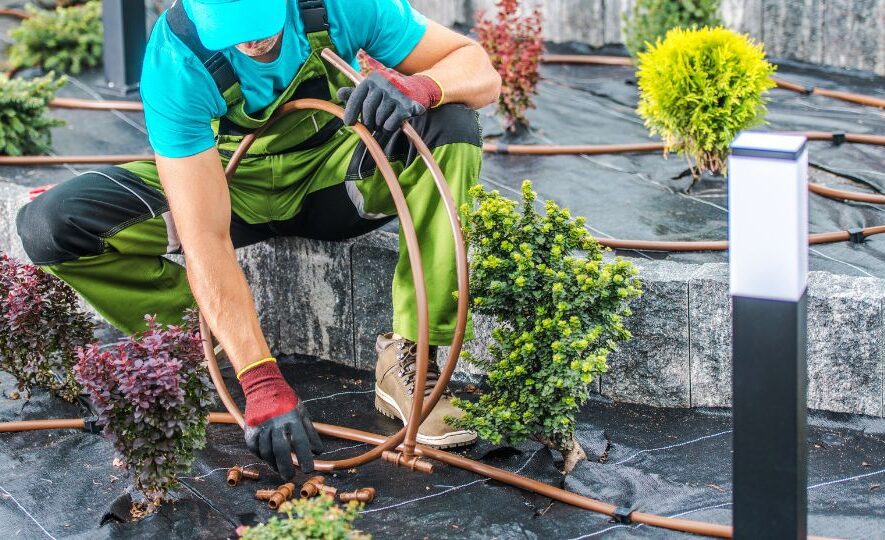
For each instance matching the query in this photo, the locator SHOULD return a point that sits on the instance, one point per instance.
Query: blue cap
(225, 23)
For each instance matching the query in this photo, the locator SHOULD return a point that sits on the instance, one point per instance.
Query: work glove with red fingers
(277, 424)
(387, 98)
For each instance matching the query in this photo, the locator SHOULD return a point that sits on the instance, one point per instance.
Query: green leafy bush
(560, 317)
(67, 39)
(699, 88)
(41, 329)
(318, 518)
(650, 20)
(515, 45)
(24, 124)
(151, 392)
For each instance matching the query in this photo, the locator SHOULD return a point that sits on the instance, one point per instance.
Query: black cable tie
(807, 90)
(856, 236)
(622, 515)
(838, 139)
(90, 425)
(502, 148)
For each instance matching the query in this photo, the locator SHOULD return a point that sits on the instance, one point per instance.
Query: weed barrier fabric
(657, 460)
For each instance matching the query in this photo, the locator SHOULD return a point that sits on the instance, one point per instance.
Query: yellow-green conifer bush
(67, 39)
(699, 88)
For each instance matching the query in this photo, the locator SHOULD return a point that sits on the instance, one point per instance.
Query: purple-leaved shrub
(41, 329)
(152, 394)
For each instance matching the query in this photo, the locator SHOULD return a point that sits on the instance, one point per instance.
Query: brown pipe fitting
(414, 463)
(235, 474)
(316, 485)
(264, 494)
(364, 495)
(280, 495)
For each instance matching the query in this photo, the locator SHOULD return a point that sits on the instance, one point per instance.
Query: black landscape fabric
(62, 484)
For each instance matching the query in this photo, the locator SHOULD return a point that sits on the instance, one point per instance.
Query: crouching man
(215, 71)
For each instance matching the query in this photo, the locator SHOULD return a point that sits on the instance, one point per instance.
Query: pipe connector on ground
(414, 463)
(235, 474)
(363, 495)
(276, 497)
(316, 485)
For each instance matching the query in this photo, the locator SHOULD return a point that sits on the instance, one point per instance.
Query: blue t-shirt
(181, 99)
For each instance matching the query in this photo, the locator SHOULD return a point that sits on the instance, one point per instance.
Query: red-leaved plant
(151, 392)
(41, 328)
(515, 44)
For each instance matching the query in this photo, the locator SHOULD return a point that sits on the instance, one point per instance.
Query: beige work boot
(395, 383)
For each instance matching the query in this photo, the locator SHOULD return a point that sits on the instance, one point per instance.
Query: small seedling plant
(650, 20)
(561, 311)
(41, 329)
(151, 393)
(699, 88)
(66, 39)
(24, 121)
(308, 519)
(515, 45)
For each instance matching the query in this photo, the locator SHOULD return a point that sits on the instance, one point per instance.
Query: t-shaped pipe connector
(235, 474)
(316, 485)
(276, 497)
(414, 462)
(365, 495)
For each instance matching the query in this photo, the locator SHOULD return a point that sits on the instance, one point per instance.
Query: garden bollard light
(125, 39)
(235, 474)
(768, 256)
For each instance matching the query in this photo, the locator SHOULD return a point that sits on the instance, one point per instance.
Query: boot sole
(386, 405)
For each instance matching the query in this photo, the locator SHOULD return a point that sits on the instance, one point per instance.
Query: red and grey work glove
(277, 424)
(387, 98)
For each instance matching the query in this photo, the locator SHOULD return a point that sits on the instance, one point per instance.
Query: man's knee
(49, 232)
(448, 124)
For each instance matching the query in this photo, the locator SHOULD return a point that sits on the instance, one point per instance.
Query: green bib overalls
(106, 231)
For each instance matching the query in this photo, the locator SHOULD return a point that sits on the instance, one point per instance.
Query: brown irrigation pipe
(74, 160)
(95, 105)
(860, 99)
(17, 13)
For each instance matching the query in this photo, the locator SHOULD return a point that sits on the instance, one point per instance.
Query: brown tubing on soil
(17, 13)
(74, 160)
(836, 94)
(587, 59)
(91, 104)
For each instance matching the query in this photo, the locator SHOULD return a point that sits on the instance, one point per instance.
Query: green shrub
(318, 518)
(24, 124)
(152, 394)
(560, 317)
(67, 39)
(699, 88)
(650, 20)
(41, 329)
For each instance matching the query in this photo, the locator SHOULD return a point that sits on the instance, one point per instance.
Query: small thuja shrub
(151, 392)
(561, 310)
(67, 39)
(515, 45)
(699, 88)
(308, 519)
(41, 329)
(24, 120)
(650, 20)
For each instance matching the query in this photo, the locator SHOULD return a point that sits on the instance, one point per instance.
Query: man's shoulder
(165, 50)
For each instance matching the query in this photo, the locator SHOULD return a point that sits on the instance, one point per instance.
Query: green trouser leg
(132, 279)
(460, 163)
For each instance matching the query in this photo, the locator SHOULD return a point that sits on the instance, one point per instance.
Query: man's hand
(277, 424)
(387, 98)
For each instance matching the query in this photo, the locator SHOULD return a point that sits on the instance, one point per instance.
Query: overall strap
(214, 61)
(314, 16)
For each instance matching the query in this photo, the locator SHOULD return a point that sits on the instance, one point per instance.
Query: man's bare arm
(200, 202)
(459, 64)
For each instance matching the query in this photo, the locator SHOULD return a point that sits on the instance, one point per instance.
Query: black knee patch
(449, 124)
(73, 219)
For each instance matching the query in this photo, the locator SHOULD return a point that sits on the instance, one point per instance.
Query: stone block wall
(842, 33)
(331, 299)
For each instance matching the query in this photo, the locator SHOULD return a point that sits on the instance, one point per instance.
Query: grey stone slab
(12, 198)
(373, 260)
(845, 349)
(710, 333)
(312, 292)
(653, 368)
(259, 266)
(853, 33)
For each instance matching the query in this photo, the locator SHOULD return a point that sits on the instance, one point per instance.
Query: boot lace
(407, 357)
